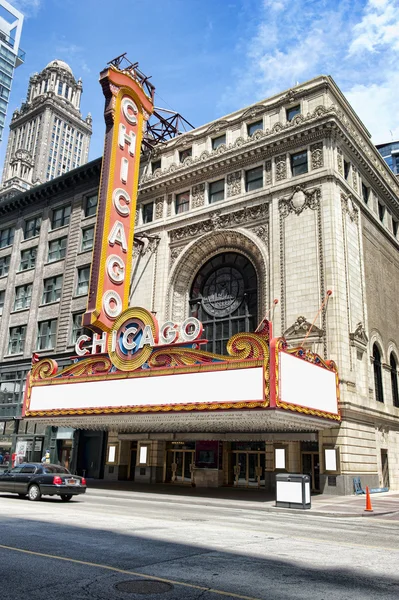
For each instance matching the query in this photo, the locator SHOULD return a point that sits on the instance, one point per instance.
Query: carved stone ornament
(354, 179)
(169, 205)
(233, 184)
(217, 220)
(281, 167)
(159, 208)
(174, 254)
(349, 207)
(340, 162)
(299, 200)
(198, 195)
(253, 112)
(316, 155)
(291, 96)
(268, 172)
(359, 338)
(262, 231)
(216, 127)
(301, 328)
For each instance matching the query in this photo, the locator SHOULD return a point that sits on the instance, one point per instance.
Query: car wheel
(34, 492)
(22, 495)
(66, 497)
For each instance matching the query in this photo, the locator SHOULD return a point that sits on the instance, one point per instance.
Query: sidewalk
(386, 503)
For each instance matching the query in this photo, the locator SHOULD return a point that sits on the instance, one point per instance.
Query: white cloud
(355, 41)
(378, 27)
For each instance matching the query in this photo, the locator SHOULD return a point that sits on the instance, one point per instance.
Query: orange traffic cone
(369, 508)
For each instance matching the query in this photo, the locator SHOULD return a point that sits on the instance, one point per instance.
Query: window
(394, 380)
(365, 193)
(148, 212)
(7, 237)
(4, 265)
(77, 328)
(46, 334)
(23, 296)
(91, 205)
(155, 165)
(16, 342)
(32, 227)
(395, 227)
(10, 388)
(57, 249)
(2, 297)
(52, 289)
(254, 179)
(292, 112)
(61, 217)
(87, 238)
(183, 154)
(218, 141)
(182, 202)
(252, 127)
(83, 281)
(299, 163)
(381, 211)
(216, 191)
(347, 167)
(224, 298)
(28, 259)
(378, 389)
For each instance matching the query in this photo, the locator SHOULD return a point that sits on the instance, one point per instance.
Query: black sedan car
(40, 479)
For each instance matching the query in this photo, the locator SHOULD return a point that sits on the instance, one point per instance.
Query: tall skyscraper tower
(48, 135)
(11, 55)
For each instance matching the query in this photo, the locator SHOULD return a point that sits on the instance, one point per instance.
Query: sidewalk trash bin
(293, 490)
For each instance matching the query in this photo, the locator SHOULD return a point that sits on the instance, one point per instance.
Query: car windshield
(55, 469)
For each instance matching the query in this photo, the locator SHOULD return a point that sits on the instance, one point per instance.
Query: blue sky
(210, 57)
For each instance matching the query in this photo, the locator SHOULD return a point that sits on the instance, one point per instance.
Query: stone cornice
(50, 188)
(265, 143)
(50, 101)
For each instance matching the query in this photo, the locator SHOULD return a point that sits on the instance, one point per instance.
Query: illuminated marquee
(127, 108)
(135, 334)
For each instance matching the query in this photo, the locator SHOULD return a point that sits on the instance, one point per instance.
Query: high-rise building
(390, 153)
(48, 135)
(11, 55)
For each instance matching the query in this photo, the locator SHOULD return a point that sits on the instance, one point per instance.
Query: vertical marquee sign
(127, 108)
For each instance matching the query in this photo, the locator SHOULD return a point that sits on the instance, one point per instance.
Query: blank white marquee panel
(305, 384)
(233, 385)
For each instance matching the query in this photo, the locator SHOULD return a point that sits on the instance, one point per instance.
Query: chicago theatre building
(275, 229)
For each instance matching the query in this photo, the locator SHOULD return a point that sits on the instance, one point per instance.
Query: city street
(119, 544)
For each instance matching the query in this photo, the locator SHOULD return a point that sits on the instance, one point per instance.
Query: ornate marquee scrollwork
(48, 368)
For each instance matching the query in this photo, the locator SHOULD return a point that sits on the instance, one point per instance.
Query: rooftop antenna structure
(163, 124)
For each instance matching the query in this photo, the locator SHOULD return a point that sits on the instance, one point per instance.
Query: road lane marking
(125, 572)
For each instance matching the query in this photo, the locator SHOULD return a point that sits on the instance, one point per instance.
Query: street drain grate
(144, 587)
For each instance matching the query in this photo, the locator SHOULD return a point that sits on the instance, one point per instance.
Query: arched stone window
(224, 296)
(394, 380)
(379, 393)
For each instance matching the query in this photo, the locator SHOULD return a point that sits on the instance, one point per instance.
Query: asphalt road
(134, 546)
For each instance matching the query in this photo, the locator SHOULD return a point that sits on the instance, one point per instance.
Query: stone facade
(310, 205)
(328, 227)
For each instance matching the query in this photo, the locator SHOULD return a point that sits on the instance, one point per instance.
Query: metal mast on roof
(164, 124)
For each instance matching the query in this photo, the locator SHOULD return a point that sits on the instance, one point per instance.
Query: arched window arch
(379, 393)
(224, 297)
(394, 379)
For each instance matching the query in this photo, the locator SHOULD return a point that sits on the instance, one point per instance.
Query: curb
(233, 504)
